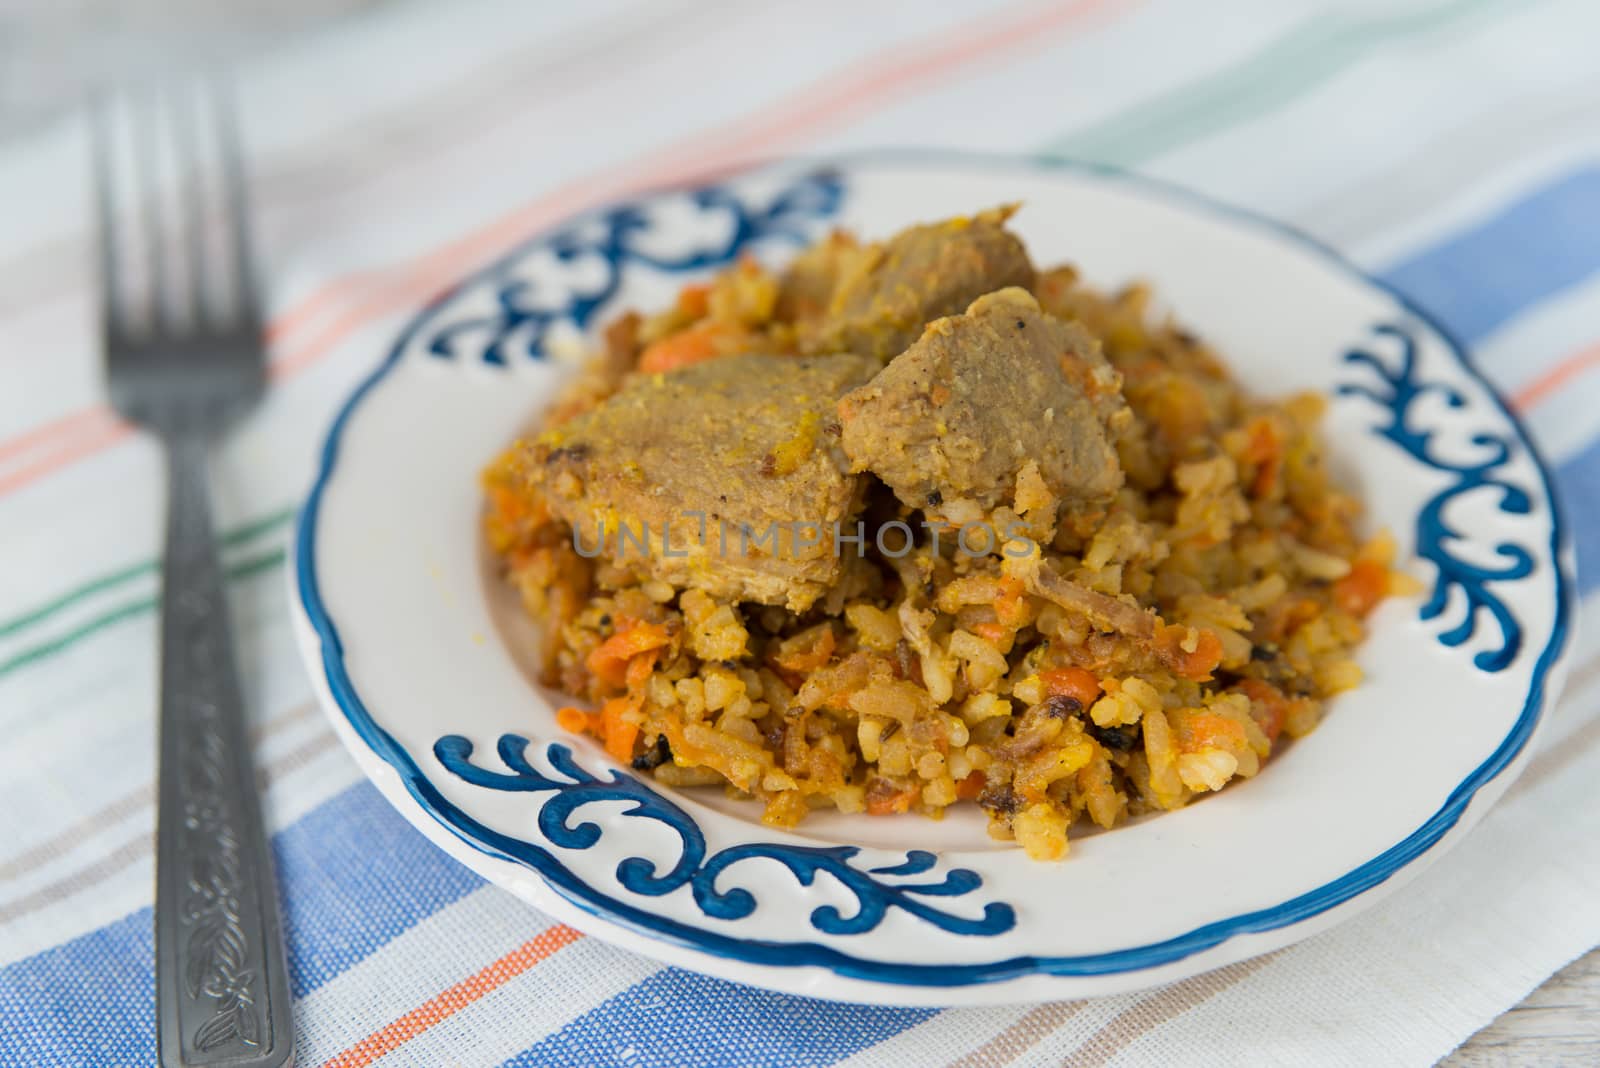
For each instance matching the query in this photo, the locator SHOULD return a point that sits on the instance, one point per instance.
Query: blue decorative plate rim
(584, 896)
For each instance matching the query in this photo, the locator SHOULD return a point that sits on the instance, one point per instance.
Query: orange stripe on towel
(1551, 382)
(446, 1004)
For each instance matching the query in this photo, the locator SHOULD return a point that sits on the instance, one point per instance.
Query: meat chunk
(891, 291)
(951, 423)
(748, 442)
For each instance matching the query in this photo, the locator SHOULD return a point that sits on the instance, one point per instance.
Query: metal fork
(185, 364)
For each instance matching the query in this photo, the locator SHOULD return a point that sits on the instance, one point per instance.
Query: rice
(941, 679)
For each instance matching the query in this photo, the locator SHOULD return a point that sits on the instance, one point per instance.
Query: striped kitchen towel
(1448, 145)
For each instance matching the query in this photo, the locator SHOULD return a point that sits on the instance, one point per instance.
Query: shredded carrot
(1264, 448)
(508, 505)
(609, 660)
(1072, 682)
(510, 517)
(639, 668)
(992, 632)
(572, 719)
(1284, 618)
(1206, 656)
(969, 788)
(1207, 730)
(1010, 608)
(693, 301)
(1197, 665)
(682, 751)
(687, 755)
(680, 350)
(694, 345)
(816, 657)
(618, 732)
(1268, 706)
(1360, 591)
(891, 804)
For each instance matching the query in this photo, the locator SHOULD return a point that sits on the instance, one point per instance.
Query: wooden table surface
(1558, 1024)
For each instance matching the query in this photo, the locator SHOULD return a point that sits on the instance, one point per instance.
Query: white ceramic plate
(405, 631)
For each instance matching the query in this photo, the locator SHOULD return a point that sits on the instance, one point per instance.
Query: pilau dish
(912, 524)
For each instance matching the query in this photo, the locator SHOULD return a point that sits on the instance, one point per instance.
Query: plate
(415, 648)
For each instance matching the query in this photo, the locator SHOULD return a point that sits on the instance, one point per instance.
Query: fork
(186, 365)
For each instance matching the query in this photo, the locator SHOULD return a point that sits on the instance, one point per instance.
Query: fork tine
(235, 200)
(180, 367)
(113, 318)
(147, 143)
(192, 189)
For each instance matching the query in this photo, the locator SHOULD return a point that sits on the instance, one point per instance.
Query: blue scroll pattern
(620, 238)
(876, 890)
(1397, 390)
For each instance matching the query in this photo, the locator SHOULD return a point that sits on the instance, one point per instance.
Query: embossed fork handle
(221, 983)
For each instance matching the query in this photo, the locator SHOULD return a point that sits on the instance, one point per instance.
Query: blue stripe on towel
(678, 1017)
(1530, 250)
(356, 874)
(89, 1002)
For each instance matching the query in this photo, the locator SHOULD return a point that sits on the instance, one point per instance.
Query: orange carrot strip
(1265, 449)
(609, 660)
(1196, 666)
(891, 804)
(1072, 682)
(694, 301)
(817, 656)
(969, 788)
(1361, 590)
(1207, 730)
(507, 503)
(1268, 706)
(1009, 607)
(618, 732)
(991, 632)
(640, 667)
(694, 345)
(572, 719)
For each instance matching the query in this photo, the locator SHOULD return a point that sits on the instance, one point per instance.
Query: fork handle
(222, 994)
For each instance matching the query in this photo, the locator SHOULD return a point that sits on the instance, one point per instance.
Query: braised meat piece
(889, 292)
(748, 442)
(950, 423)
